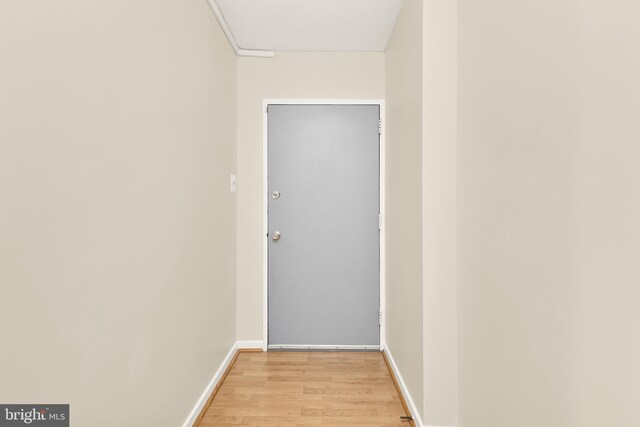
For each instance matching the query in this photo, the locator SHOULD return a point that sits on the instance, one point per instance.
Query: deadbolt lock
(275, 195)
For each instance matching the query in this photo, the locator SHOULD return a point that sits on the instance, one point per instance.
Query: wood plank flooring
(288, 389)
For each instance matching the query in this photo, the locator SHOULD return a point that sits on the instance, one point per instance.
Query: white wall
(439, 226)
(117, 227)
(605, 310)
(288, 75)
(549, 213)
(422, 336)
(404, 304)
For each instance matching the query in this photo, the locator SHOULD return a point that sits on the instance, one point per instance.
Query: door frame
(265, 209)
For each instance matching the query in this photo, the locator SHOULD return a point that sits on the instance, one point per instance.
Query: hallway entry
(290, 389)
(323, 183)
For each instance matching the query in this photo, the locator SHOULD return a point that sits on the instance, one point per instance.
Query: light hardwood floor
(307, 389)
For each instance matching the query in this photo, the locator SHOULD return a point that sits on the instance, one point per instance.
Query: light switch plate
(234, 184)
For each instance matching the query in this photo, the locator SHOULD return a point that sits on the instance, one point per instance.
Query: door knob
(276, 236)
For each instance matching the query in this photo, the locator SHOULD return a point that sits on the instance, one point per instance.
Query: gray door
(324, 239)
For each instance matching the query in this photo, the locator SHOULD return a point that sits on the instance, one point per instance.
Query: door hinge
(380, 222)
(380, 318)
(380, 127)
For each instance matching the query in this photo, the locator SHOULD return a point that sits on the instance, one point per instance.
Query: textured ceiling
(311, 25)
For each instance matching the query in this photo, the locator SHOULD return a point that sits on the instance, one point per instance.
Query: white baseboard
(207, 391)
(403, 388)
(249, 344)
